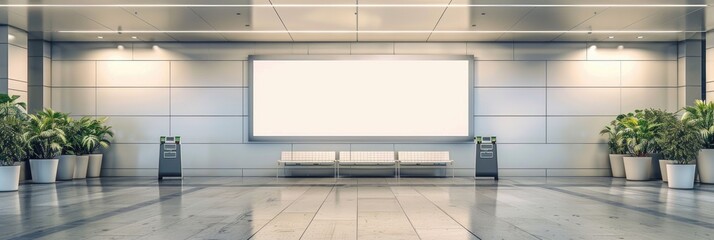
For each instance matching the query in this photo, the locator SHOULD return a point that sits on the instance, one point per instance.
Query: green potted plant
(616, 145)
(12, 148)
(663, 119)
(44, 139)
(68, 159)
(83, 125)
(681, 147)
(701, 115)
(97, 137)
(639, 136)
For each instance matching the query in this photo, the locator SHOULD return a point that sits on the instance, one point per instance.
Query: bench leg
(277, 171)
(453, 170)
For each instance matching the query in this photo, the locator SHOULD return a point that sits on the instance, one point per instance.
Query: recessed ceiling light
(100, 37)
(640, 37)
(611, 37)
(134, 37)
(10, 37)
(120, 47)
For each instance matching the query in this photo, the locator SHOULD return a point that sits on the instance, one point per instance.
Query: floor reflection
(356, 208)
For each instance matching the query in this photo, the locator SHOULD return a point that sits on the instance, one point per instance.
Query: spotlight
(134, 37)
(120, 47)
(611, 37)
(10, 37)
(100, 37)
(156, 47)
(640, 37)
(620, 47)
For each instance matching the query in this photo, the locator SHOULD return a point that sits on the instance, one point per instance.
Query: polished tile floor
(356, 208)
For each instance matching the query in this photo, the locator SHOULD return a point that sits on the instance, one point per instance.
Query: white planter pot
(705, 163)
(656, 173)
(663, 168)
(80, 169)
(44, 170)
(95, 165)
(66, 167)
(681, 176)
(617, 165)
(638, 168)
(9, 178)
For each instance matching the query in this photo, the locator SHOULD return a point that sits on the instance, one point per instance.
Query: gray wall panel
(509, 101)
(207, 73)
(577, 129)
(583, 101)
(501, 74)
(208, 129)
(77, 101)
(139, 129)
(512, 129)
(132, 101)
(207, 101)
(132, 74)
(583, 73)
(74, 74)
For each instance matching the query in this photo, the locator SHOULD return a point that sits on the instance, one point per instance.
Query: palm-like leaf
(44, 136)
(95, 135)
(701, 116)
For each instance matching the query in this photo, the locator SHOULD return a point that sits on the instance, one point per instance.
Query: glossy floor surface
(356, 208)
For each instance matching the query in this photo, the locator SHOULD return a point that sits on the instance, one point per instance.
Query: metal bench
(425, 158)
(307, 158)
(364, 158)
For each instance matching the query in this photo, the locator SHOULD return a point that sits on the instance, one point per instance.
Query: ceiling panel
(388, 37)
(84, 37)
(477, 37)
(371, 18)
(616, 18)
(56, 19)
(174, 18)
(324, 37)
(317, 18)
(486, 19)
(198, 37)
(528, 37)
(257, 37)
(249, 18)
(113, 18)
(672, 19)
(556, 18)
(627, 37)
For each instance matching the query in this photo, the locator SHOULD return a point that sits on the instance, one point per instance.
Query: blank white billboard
(361, 98)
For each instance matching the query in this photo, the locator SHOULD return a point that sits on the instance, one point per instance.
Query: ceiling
(356, 20)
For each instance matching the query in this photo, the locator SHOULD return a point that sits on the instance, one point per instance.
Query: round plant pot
(617, 165)
(44, 170)
(705, 163)
(655, 173)
(80, 169)
(681, 176)
(638, 168)
(9, 178)
(95, 165)
(663, 168)
(66, 167)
